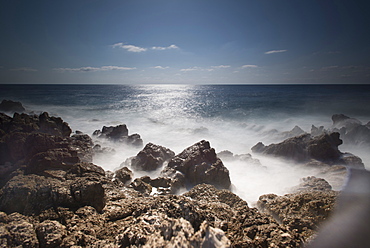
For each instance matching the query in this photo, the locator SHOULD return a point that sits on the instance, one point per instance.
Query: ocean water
(231, 117)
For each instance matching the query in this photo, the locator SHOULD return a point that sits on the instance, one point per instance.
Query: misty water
(230, 117)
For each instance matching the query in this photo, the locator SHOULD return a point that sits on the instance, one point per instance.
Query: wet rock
(304, 147)
(11, 106)
(124, 175)
(199, 164)
(151, 158)
(119, 133)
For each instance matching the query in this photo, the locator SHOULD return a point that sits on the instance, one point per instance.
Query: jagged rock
(351, 130)
(199, 164)
(29, 194)
(124, 175)
(304, 147)
(140, 185)
(151, 157)
(119, 134)
(11, 106)
(19, 232)
(296, 131)
(301, 212)
(51, 233)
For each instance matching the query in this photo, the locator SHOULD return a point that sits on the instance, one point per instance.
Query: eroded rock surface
(198, 164)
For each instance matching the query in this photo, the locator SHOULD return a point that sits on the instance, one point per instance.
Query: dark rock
(141, 186)
(199, 164)
(11, 106)
(119, 134)
(124, 175)
(304, 147)
(151, 157)
(51, 233)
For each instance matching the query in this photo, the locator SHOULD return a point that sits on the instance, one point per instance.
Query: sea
(230, 117)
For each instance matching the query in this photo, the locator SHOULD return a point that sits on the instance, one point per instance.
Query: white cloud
(137, 49)
(191, 69)
(248, 66)
(276, 51)
(130, 48)
(221, 66)
(93, 69)
(160, 67)
(25, 69)
(165, 48)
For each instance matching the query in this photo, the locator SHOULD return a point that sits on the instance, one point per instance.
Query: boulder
(11, 106)
(119, 133)
(305, 147)
(199, 164)
(124, 175)
(151, 158)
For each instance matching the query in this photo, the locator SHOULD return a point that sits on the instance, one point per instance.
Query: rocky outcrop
(198, 164)
(29, 194)
(10, 106)
(151, 158)
(304, 148)
(119, 134)
(53, 196)
(302, 211)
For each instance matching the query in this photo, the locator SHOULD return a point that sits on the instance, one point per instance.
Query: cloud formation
(137, 49)
(275, 51)
(160, 67)
(130, 48)
(93, 69)
(221, 66)
(165, 48)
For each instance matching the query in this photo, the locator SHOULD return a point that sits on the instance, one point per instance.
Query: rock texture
(198, 164)
(302, 211)
(119, 134)
(151, 158)
(52, 195)
(303, 148)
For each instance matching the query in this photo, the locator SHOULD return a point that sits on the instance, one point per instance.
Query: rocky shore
(52, 195)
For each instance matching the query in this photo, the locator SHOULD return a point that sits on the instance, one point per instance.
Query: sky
(185, 41)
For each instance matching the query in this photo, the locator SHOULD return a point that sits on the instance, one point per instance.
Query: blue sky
(187, 42)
